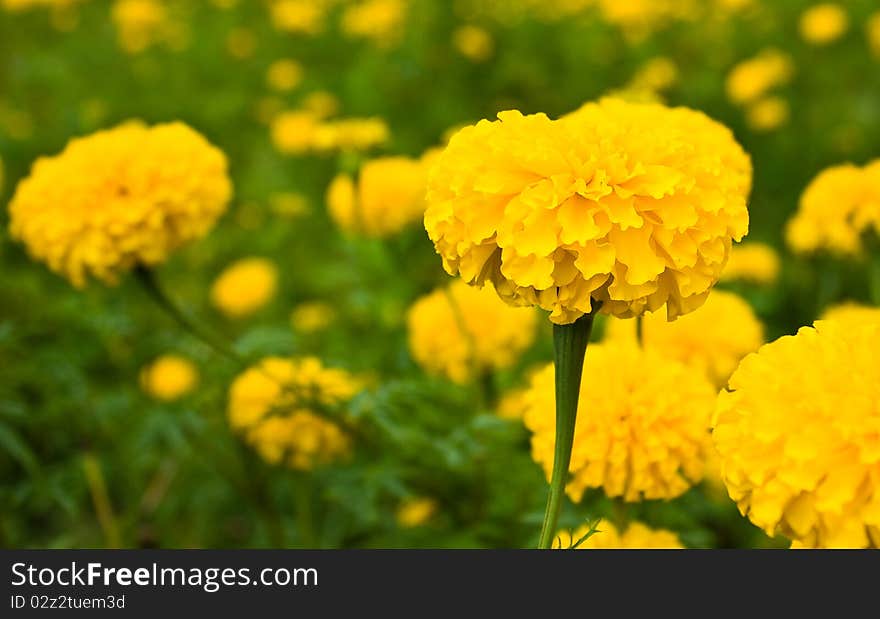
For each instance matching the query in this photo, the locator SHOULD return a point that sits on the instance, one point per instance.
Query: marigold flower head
(119, 198)
(852, 314)
(768, 114)
(415, 512)
(752, 262)
(380, 21)
(284, 408)
(799, 436)
(642, 425)
(837, 208)
(245, 286)
(284, 74)
(712, 339)
(388, 194)
(312, 316)
(139, 23)
(751, 79)
(823, 23)
(634, 205)
(473, 42)
(461, 332)
(637, 536)
(300, 131)
(169, 377)
(299, 16)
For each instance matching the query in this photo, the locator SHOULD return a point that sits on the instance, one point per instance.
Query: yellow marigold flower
(461, 332)
(872, 29)
(293, 132)
(388, 195)
(712, 339)
(853, 314)
(473, 42)
(656, 75)
(767, 114)
(169, 377)
(284, 74)
(799, 436)
(753, 262)
(823, 23)
(636, 537)
(139, 23)
(119, 198)
(415, 512)
(321, 103)
(312, 316)
(350, 134)
(840, 205)
(751, 79)
(245, 287)
(380, 21)
(283, 408)
(634, 205)
(642, 424)
(299, 16)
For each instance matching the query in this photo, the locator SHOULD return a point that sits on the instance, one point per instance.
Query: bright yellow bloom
(872, 29)
(380, 21)
(139, 23)
(312, 316)
(753, 262)
(293, 132)
(840, 205)
(852, 314)
(284, 74)
(712, 339)
(284, 408)
(642, 425)
(300, 131)
(634, 205)
(388, 195)
(169, 377)
(751, 79)
(245, 286)
(823, 23)
(119, 198)
(473, 42)
(462, 332)
(416, 512)
(767, 114)
(636, 537)
(299, 16)
(799, 436)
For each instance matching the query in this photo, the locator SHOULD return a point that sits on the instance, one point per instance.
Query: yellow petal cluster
(380, 21)
(462, 332)
(712, 339)
(284, 409)
(312, 316)
(632, 204)
(473, 42)
(840, 205)
(799, 436)
(751, 79)
(300, 131)
(284, 74)
(299, 16)
(823, 23)
(245, 286)
(642, 425)
(388, 195)
(768, 114)
(637, 536)
(415, 512)
(169, 377)
(139, 23)
(852, 313)
(119, 198)
(752, 262)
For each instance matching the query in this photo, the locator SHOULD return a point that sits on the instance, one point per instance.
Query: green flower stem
(874, 274)
(570, 343)
(147, 278)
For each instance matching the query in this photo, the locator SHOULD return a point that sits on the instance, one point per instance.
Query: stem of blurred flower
(570, 344)
(303, 496)
(150, 283)
(101, 501)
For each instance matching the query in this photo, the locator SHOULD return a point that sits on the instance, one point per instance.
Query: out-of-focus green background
(173, 474)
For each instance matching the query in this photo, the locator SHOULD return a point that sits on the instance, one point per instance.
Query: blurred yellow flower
(600, 204)
(872, 29)
(656, 75)
(462, 332)
(299, 16)
(636, 537)
(380, 21)
(712, 339)
(799, 436)
(752, 262)
(751, 79)
(388, 195)
(321, 103)
(415, 512)
(767, 114)
(300, 131)
(312, 316)
(139, 23)
(284, 75)
(284, 408)
(642, 428)
(823, 23)
(119, 198)
(293, 132)
(852, 314)
(289, 204)
(473, 42)
(169, 377)
(513, 404)
(245, 287)
(241, 43)
(838, 206)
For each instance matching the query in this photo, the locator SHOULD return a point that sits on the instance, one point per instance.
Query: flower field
(371, 273)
